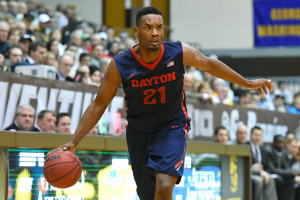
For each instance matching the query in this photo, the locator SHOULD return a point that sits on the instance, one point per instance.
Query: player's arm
(193, 57)
(93, 113)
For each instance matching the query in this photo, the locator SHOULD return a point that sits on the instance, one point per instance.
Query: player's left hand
(261, 85)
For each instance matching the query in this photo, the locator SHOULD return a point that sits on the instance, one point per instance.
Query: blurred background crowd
(37, 34)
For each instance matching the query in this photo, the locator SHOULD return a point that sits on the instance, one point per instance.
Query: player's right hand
(66, 147)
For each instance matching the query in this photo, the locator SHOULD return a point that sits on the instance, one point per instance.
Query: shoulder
(12, 127)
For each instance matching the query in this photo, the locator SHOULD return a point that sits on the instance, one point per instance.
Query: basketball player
(151, 73)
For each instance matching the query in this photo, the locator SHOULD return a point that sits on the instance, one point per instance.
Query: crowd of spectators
(47, 121)
(32, 33)
(275, 167)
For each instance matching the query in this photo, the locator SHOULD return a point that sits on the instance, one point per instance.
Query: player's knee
(164, 187)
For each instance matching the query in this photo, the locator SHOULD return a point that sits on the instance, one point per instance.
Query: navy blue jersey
(153, 92)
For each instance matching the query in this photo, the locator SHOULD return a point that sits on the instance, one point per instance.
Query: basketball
(62, 169)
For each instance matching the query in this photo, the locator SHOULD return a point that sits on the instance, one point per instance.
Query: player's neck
(146, 55)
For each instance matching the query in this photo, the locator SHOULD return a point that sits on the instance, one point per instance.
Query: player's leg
(143, 176)
(164, 185)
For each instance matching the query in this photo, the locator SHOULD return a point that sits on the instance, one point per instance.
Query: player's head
(149, 28)
(146, 11)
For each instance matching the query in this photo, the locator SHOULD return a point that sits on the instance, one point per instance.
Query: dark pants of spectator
(285, 188)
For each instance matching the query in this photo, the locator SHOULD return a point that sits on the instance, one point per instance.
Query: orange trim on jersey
(182, 106)
(149, 66)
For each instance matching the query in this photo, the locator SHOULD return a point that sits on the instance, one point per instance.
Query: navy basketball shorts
(162, 151)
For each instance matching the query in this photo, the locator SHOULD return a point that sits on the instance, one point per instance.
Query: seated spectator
(13, 36)
(85, 59)
(24, 119)
(97, 53)
(244, 98)
(205, 91)
(221, 135)
(40, 31)
(222, 94)
(295, 107)
(4, 44)
(65, 64)
(264, 185)
(37, 53)
(240, 135)
(83, 75)
(14, 56)
(279, 165)
(279, 104)
(95, 75)
(283, 91)
(24, 43)
(63, 123)
(52, 46)
(51, 59)
(46, 121)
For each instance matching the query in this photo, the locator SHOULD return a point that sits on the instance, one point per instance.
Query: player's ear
(135, 30)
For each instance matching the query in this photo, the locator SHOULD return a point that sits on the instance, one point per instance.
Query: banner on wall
(276, 22)
(74, 98)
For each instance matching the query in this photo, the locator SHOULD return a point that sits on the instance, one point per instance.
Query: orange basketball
(62, 169)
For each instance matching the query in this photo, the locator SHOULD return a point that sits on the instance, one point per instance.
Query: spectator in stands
(15, 56)
(97, 54)
(94, 39)
(188, 83)
(50, 59)
(279, 104)
(221, 135)
(65, 64)
(205, 91)
(244, 98)
(222, 94)
(24, 42)
(279, 165)
(4, 44)
(295, 107)
(40, 31)
(21, 26)
(37, 53)
(85, 59)
(52, 46)
(113, 49)
(24, 119)
(13, 8)
(283, 91)
(83, 75)
(95, 75)
(241, 135)
(3, 9)
(63, 123)
(13, 36)
(46, 121)
(264, 185)
(292, 147)
(56, 34)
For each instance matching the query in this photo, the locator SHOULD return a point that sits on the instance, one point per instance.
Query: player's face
(150, 31)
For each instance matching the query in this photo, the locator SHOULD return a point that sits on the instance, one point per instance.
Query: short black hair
(146, 11)
(84, 54)
(42, 113)
(34, 45)
(61, 115)
(218, 128)
(254, 128)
